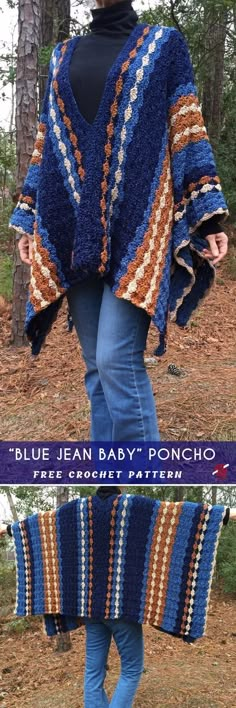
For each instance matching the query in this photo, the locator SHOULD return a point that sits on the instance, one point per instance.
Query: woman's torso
(97, 51)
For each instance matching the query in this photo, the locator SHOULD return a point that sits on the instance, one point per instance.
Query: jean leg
(98, 640)
(85, 302)
(128, 637)
(121, 342)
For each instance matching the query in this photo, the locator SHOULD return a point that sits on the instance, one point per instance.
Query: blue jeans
(113, 333)
(128, 637)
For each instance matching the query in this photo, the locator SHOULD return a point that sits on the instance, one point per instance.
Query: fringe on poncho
(128, 557)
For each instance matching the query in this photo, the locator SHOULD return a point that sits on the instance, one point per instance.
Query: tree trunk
(26, 123)
(47, 38)
(215, 22)
(199, 495)
(62, 495)
(214, 495)
(55, 27)
(21, 276)
(63, 642)
(219, 56)
(178, 494)
(63, 19)
(11, 504)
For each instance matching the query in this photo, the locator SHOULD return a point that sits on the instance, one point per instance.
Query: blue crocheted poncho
(128, 557)
(122, 197)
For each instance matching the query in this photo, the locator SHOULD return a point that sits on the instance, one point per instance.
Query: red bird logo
(220, 471)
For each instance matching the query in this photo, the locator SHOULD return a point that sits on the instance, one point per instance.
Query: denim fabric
(128, 637)
(113, 333)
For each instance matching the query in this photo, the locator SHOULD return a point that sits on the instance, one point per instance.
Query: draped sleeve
(197, 187)
(23, 216)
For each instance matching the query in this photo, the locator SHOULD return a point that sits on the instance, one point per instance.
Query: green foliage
(5, 234)
(6, 276)
(7, 72)
(226, 558)
(226, 152)
(7, 172)
(12, 4)
(19, 626)
(7, 579)
(190, 18)
(44, 54)
(29, 500)
(7, 574)
(7, 158)
(78, 491)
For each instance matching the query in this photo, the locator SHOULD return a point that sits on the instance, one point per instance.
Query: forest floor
(44, 398)
(198, 675)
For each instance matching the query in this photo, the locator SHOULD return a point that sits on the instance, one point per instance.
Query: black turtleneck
(97, 51)
(107, 491)
(93, 58)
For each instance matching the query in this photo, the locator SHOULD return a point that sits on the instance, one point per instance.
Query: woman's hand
(25, 245)
(218, 247)
(3, 530)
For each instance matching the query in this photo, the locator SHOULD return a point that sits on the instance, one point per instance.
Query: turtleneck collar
(107, 491)
(117, 19)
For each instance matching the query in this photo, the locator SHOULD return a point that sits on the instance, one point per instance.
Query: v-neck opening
(121, 57)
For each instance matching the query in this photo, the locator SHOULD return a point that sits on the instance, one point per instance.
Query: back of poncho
(129, 556)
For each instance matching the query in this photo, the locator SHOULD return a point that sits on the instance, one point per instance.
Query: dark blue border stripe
(31, 565)
(101, 543)
(21, 594)
(79, 560)
(139, 524)
(67, 517)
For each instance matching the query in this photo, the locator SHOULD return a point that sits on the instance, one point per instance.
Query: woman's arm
(23, 216)
(199, 200)
(230, 515)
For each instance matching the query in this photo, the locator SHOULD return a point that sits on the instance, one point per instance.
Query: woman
(139, 548)
(124, 203)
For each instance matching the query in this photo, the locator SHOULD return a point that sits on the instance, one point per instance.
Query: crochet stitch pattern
(122, 197)
(133, 557)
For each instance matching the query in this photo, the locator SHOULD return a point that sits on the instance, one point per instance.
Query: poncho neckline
(116, 66)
